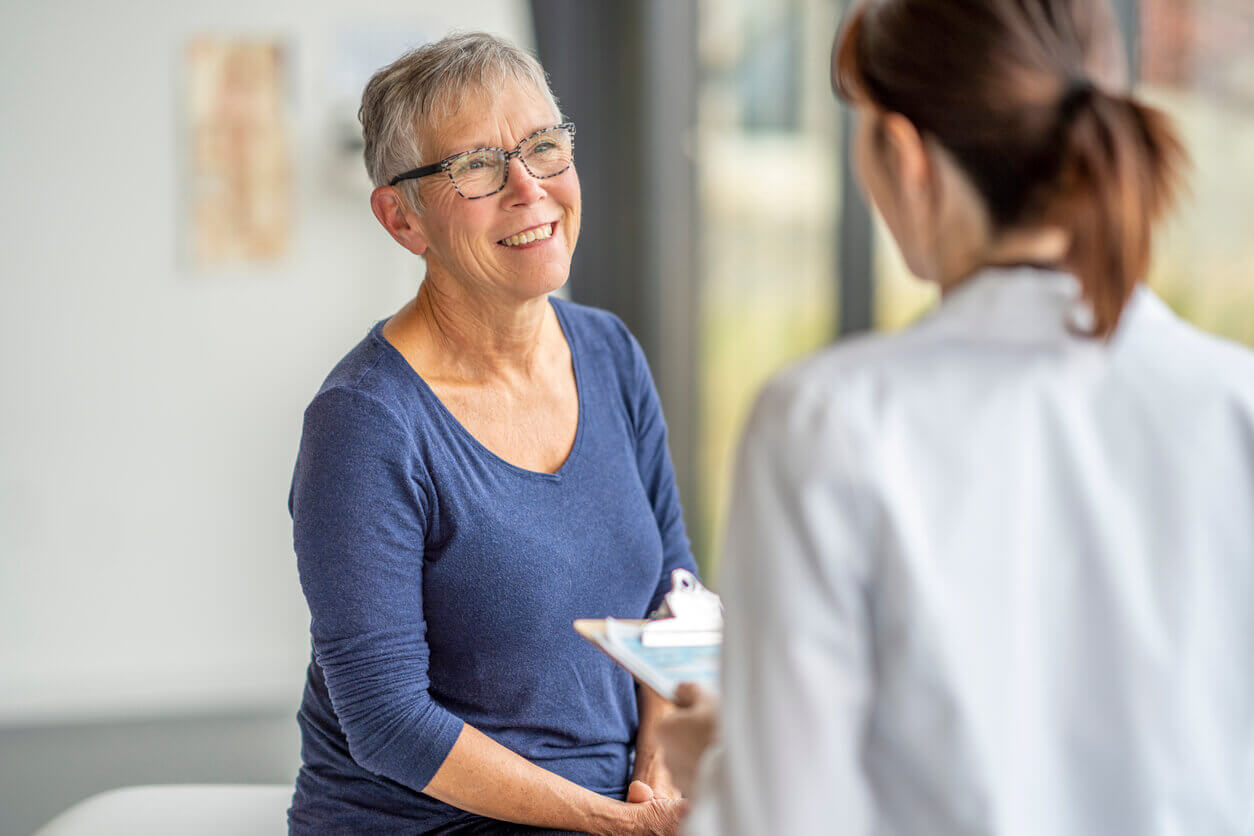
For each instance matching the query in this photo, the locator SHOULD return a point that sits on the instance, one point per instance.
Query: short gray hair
(403, 101)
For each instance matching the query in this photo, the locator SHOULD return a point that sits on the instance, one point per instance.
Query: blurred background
(188, 249)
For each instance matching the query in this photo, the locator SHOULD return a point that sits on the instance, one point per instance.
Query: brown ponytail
(1118, 176)
(1017, 91)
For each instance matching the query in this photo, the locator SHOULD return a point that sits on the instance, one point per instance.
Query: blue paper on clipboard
(669, 664)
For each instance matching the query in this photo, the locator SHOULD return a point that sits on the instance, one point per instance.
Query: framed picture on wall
(237, 208)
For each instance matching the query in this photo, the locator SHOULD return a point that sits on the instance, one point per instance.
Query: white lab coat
(990, 577)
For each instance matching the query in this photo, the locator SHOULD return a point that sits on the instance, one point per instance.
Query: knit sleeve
(359, 511)
(657, 473)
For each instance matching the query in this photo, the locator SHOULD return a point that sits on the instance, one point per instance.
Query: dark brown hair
(1023, 94)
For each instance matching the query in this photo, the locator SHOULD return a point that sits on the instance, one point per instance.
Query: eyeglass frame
(447, 163)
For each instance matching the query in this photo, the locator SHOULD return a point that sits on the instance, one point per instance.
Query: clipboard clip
(689, 615)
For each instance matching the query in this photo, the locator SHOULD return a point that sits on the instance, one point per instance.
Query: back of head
(1030, 98)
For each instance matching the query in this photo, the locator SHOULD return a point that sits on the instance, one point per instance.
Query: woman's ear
(908, 152)
(915, 191)
(404, 225)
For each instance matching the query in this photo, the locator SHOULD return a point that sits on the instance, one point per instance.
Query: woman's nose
(521, 187)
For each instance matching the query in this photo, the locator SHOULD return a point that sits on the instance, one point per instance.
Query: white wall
(149, 413)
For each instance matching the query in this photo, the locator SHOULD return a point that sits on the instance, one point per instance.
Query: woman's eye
(543, 147)
(477, 162)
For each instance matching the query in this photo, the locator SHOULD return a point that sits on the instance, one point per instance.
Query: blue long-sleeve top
(442, 581)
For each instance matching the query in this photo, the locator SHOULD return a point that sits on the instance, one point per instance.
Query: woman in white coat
(994, 574)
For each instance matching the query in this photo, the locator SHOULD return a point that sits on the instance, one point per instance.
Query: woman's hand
(686, 732)
(647, 815)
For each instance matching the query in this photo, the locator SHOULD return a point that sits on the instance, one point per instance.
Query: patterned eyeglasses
(484, 171)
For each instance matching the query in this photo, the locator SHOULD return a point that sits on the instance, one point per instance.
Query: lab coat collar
(1026, 305)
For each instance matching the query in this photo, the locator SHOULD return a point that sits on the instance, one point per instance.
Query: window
(1197, 64)
(768, 171)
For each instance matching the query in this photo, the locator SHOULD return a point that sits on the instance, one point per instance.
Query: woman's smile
(530, 238)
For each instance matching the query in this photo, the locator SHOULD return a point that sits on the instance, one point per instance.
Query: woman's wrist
(651, 769)
(650, 766)
(606, 817)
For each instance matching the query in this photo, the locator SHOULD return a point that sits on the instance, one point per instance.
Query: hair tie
(1079, 90)
(1078, 87)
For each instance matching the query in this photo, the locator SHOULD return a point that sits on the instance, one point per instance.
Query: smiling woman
(486, 466)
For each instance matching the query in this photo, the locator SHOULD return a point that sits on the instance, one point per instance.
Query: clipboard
(681, 642)
(660, 669)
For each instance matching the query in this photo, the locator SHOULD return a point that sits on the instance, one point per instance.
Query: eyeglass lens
(482, 172)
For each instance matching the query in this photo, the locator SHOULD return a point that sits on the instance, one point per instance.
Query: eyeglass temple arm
(414, 174)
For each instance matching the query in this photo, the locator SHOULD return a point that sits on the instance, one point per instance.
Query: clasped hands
(665, 774)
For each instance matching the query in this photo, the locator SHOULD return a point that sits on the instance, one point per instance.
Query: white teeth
(537, 234)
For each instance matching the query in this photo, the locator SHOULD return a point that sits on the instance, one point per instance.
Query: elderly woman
(485, 466)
